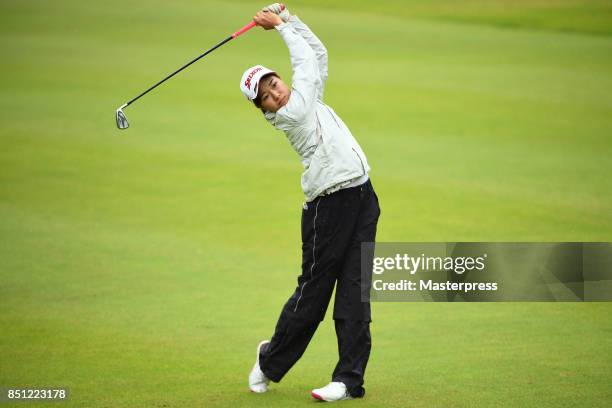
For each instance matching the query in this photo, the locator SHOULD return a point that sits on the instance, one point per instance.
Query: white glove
(280, 10)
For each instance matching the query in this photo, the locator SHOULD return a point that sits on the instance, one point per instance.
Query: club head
(122, 121)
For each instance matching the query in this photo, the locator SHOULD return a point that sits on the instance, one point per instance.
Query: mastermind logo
(412, 264)
(486, 271)
(442, 274)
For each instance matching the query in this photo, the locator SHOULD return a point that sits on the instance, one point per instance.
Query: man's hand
(280, 9)
(267, 19)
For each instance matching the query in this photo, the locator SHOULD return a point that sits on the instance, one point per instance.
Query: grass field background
(140, 268)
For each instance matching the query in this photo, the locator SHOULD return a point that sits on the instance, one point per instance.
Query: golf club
(121, 119)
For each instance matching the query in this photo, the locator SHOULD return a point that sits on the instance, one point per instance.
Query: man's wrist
(281, 26)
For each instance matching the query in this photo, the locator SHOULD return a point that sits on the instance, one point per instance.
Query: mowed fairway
(140, 268)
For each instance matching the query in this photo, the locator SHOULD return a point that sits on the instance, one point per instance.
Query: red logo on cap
(247, 83)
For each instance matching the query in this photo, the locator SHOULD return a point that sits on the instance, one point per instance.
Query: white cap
(249, 83)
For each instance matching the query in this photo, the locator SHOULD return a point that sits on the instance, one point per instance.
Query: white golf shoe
(334, 391)
(258, 382)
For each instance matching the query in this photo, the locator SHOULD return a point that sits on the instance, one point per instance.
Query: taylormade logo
(247, 83)
(428, 263)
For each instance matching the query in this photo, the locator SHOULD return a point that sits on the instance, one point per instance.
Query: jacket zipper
(338, 124)
(360, 161)
(333, 116)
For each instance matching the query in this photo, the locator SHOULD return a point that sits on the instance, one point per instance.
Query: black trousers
(333, 228)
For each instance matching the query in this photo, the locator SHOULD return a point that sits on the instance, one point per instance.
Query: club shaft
(180, 69)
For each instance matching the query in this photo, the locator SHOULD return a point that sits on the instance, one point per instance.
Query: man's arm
(317, 46)
(306, 80)
(307, 34)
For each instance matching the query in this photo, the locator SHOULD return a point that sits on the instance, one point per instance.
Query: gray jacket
(331, 156)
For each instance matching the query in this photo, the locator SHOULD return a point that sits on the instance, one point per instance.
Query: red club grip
(250, 25)
(244, 29)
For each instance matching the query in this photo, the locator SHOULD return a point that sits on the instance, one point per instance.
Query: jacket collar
(270, 117)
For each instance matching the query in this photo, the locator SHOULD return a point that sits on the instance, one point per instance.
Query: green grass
(141, 268)
(576, 16)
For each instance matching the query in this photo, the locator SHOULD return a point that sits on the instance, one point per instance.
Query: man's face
(273, 93)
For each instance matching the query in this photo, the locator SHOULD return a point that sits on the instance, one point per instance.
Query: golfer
(340, 212)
